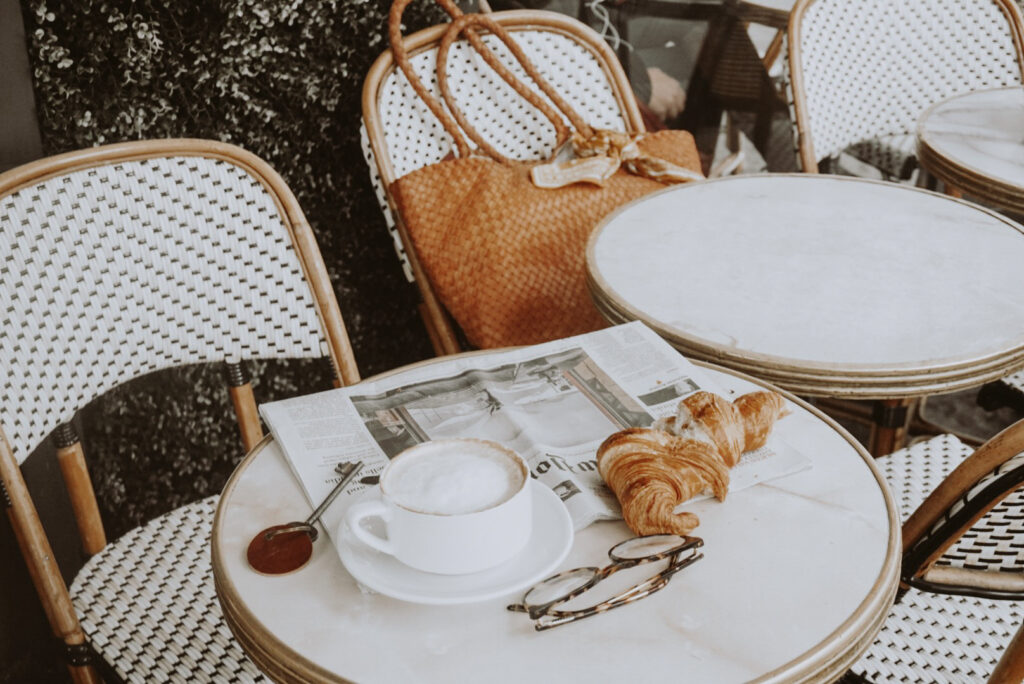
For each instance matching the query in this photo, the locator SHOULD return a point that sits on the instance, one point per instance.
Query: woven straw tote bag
(505, 256)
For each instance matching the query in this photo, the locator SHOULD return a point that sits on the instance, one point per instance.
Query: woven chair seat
(893, 155)
(1015, 381)
(148, 606)
(933, 637)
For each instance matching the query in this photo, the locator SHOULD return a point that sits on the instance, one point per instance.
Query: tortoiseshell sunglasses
(541, 600)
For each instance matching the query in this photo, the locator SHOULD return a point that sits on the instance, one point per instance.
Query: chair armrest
(947, 579)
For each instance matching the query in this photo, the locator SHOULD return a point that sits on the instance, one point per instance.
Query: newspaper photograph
(552, 403)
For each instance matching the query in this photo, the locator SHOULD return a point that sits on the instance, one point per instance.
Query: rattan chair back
(401, 135)
(862, 72)
(134, 258)
(125, 259)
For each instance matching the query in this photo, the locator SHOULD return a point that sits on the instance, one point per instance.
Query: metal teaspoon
(285, 548)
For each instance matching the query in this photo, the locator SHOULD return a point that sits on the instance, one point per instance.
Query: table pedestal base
(890, 423)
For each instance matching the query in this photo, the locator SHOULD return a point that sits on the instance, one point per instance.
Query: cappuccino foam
(453, 479)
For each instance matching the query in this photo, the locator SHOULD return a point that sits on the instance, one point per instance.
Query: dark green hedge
(281, 78)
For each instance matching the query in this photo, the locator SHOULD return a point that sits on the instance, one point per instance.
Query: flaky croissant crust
(653, 470)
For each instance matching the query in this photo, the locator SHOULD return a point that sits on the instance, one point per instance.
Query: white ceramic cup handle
(374, 508)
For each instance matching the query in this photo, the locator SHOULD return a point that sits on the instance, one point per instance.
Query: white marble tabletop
(825, 285)
(977, 139)
(797, 576)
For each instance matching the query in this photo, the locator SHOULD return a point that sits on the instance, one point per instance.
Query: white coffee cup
(451, 506)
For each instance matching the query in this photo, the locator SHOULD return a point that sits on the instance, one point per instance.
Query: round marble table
(824, 285)
(974, 143)
(798, 575)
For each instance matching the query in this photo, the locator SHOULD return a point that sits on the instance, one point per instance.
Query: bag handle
(401, 58)
(463, 23)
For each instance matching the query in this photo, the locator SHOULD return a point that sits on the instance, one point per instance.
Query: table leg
(889, 422)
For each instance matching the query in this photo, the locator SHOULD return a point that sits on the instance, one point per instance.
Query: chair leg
(42, 565)
(84, 674)
(1010, 668)
(442, 338)
(80, 491)
(245, 404)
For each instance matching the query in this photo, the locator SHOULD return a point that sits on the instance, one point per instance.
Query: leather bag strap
(401, 58)
(465, 24)
(459, 127)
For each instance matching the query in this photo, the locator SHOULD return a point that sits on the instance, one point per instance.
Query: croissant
(653, 470)
(759, 411)
(734, 427)
(710, 418)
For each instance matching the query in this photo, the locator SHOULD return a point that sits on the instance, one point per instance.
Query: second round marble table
(827, 286)
(974, 143)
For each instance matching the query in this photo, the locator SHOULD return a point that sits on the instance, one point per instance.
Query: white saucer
(548, 546)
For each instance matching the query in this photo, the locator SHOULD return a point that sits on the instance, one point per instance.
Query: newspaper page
(553, 403)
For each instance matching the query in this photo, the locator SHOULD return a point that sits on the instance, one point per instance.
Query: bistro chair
(860, 73)
(962, 576)
(400, 134)
(117, 261)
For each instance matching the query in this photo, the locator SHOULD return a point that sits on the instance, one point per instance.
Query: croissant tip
(678, 523)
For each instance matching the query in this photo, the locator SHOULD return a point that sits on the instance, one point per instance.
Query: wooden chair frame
(919, 560)
(805, 138)
(28, 529)
(440, 327)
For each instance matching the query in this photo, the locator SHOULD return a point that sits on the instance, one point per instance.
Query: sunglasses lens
(646, 547)
(559, 586)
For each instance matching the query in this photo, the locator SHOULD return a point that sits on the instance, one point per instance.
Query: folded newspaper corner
(553, 403)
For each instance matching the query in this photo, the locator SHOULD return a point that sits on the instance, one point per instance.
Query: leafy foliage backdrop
(281, 78)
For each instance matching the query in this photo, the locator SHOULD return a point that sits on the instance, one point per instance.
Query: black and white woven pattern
(996, 542)
(382, 200)
(934, 637)
(111, 272)
(1016, 381)
(871, 67)
(414, 138)
(894, 155)
(148, 606)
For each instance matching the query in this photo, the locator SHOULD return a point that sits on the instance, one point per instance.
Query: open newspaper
(553, 403)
